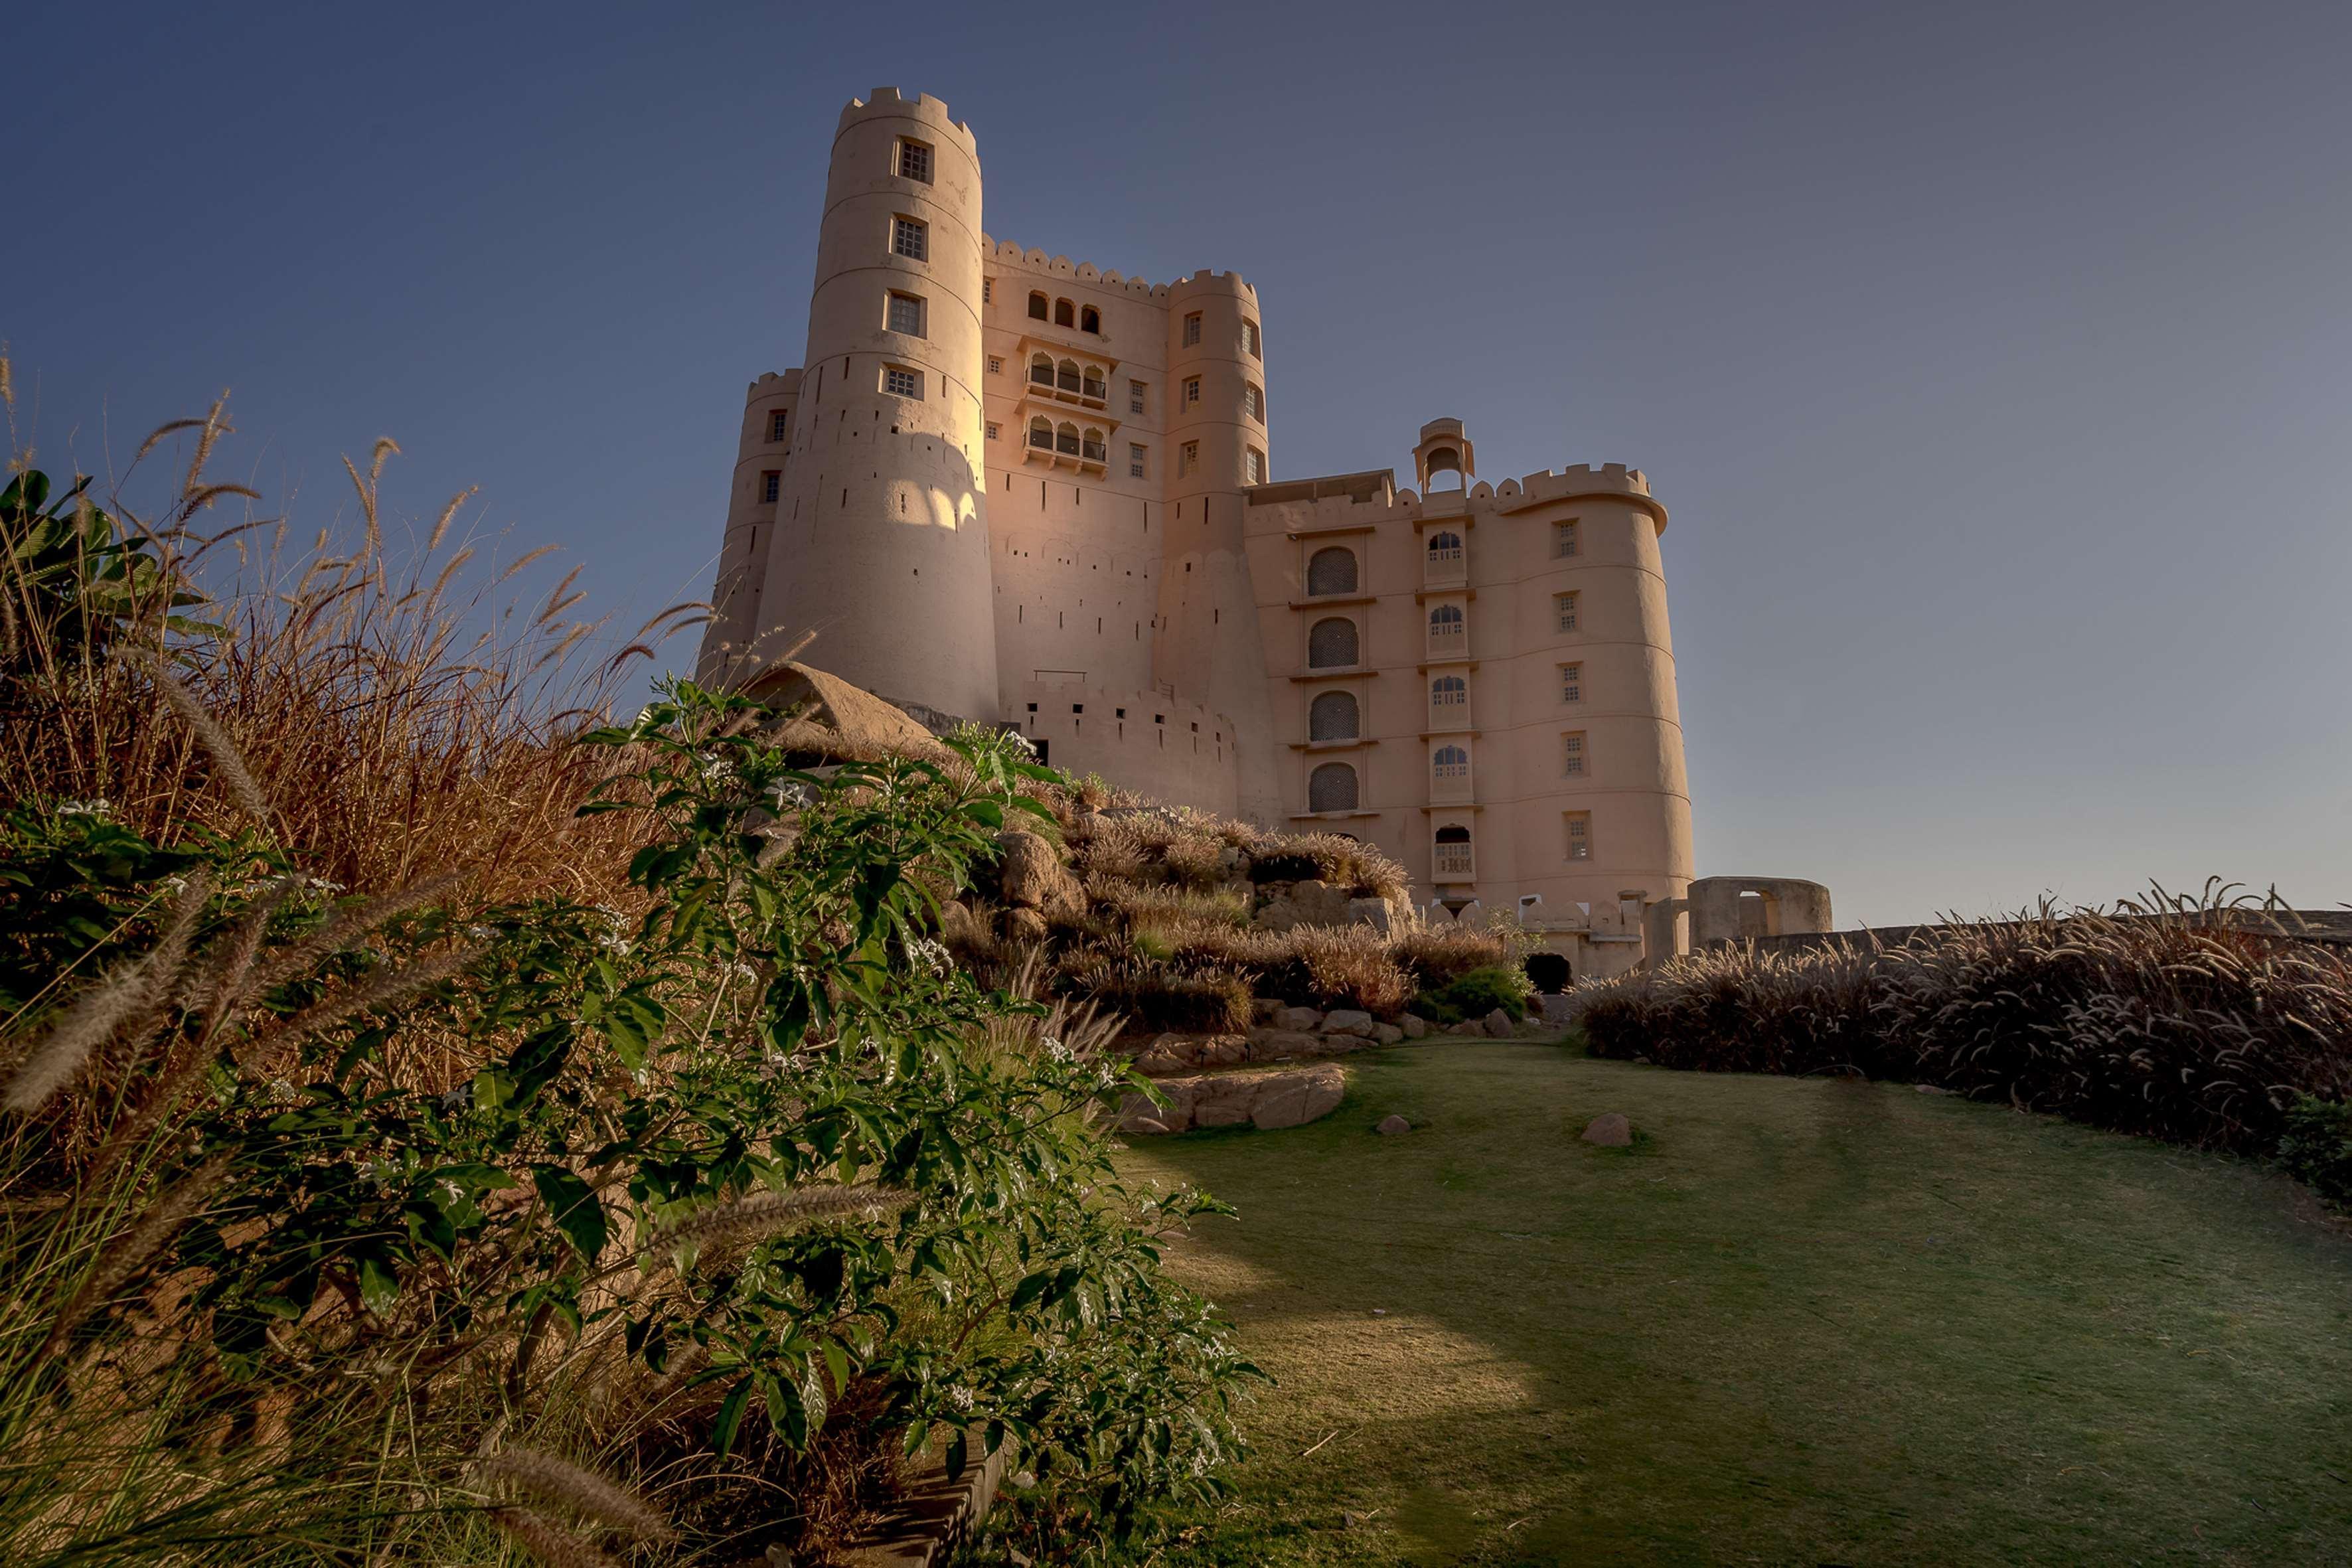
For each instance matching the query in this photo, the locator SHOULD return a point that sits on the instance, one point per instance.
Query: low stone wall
(1266, 1101)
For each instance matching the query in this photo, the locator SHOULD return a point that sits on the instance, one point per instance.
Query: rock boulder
(1610, 1130)
(1347, 1021)
(1391, 1125)
(1306, 1020)
(1291, 1097)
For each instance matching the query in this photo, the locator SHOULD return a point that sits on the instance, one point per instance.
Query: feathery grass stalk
(346, 928)
(171, 1209)
(134, 993)
(549, 1542)
(226, 758)
(390, 984)
(759, 1215)
(557, 1480)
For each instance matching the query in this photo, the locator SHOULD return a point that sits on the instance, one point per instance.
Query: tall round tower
(878, 571)
(1208, 643)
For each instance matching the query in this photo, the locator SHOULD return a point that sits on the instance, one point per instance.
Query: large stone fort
(1011, 487)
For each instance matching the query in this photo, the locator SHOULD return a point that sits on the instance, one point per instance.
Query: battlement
(1354, 499)
(771, 383)
(922, 106)
(1010, 253)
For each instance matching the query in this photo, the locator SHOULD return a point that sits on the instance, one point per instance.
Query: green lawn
(1807, 1321)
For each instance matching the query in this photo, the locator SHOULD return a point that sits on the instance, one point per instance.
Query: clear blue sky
(1995, 361)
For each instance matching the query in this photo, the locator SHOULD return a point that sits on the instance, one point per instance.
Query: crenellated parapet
(889, 100)
(1346, 500)
(1009, 254)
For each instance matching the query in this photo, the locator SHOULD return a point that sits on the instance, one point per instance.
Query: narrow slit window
(770, 482)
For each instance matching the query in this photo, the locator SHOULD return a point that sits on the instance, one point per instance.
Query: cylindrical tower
(1208, 643)
(761, 456)
(880, 555)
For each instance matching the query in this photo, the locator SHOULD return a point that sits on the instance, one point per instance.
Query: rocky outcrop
(1291, 1097)
(1032, 876)
(1313, 902)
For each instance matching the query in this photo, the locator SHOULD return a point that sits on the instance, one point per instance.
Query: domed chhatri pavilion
(1008, 486)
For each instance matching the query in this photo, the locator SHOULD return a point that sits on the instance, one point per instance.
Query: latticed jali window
(1580, 835)
(1563, 538)
(1331, 570)
(1571, 754)
(1571, 683)
(1564, 606)
(1333, 717)
(1331, 644)
(1331, 787)
(1452, 762)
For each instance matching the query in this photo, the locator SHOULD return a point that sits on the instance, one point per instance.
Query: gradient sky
(1994, 362)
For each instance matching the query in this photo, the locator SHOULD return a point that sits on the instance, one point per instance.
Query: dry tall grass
(2155, 1017)
(402, 713)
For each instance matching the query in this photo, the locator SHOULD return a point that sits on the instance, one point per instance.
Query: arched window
(1041, 434)
(1066, 375)
(1331, 644)
(1446, 624)
(1092, 449)
(1331, 787)
(1095, 386)
(1040, 368)
(1331, 570)
(1452, 762)
(1065, 313)
(1455, 833)
(1449, 692)
(1333, 717)
(1444, 547)
(1453, 850)
(1444, 459)
(1090, 321)
(1037, 307)
(1066, 439)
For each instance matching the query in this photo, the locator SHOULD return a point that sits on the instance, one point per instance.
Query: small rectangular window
(992, 432)
(987, 291)
(907, 315)
(1249, 339)
(1135, 397)
(910, 237)
(1254, 466)
(1563, 538)
(1192, 329)
(1571, 754)
(1192, 390)
(1254, 403)
(1134, 461)
(1564, 608)
(1571, 683)
(1188, 458)
(914, 162)
(900, 381)
(780, 423)
(995, 364)
(1579, 834)
(769, 483)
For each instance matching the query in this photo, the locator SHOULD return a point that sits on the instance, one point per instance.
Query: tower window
(900, 381)
(1254, 402)
(1579, 834)
(1136, 462)
(1564, 608)
(1037, 312)
(1571, 754)
(1090, 321)
(1192, 390)
(780, 423)
(1065, 313)
(1331, 787)
(1135, 397)
(912, 238)
(907, 314)
(1571, 683)
(1188, 458)
(1563, 538)
(769, 483)
(1254, 466)
(1192, 329)
(1249, 339)
(914, 162)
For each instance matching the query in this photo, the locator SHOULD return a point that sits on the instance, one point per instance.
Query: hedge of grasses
(2192, 1019)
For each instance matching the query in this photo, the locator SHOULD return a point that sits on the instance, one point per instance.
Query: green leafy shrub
(2317, 1146)
(1474, 994)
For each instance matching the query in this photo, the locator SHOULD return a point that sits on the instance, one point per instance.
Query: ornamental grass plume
(549, 1542)
(759, 1215)
(551, 1479)
(163, 1219)
(135, 993)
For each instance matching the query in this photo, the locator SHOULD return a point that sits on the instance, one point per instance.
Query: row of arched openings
(1062, 314)
(1067, 441)
(1087, 381)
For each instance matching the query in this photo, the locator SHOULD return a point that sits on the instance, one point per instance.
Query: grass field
(1803, 1321)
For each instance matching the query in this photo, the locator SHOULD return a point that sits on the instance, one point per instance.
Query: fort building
(1015, 487)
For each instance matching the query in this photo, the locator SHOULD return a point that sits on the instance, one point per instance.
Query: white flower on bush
(102, 810)
(1055, 1049)
(930, 954)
